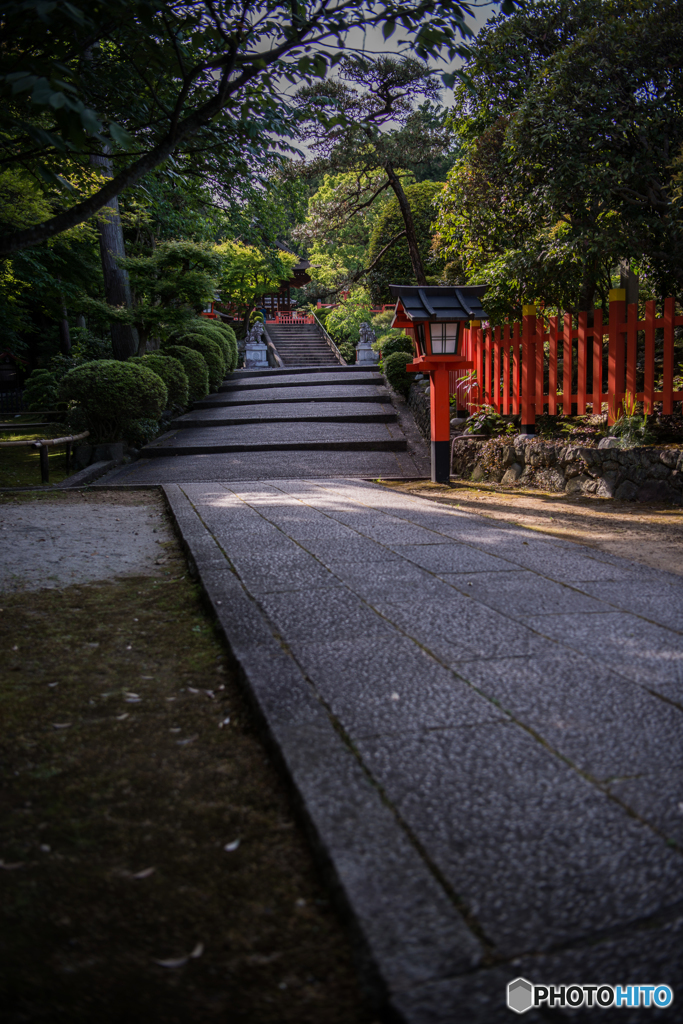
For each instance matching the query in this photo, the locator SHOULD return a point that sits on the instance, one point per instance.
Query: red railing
(292, 318)
(550, 364)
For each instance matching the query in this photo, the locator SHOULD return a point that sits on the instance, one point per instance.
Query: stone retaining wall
(634, 474)
(419, 403)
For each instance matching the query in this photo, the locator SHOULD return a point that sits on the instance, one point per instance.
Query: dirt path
(651, 534)
(151, 867)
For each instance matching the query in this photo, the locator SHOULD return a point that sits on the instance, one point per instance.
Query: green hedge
(400, 343)
(232, 340)
(223, 335)
(41, 390)
(112, 394)
(395, 371)
(211, 352)
(171, 372)
(195, 367)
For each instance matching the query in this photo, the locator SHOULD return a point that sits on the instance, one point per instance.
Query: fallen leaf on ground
(231, 847)
(11, 867)
(144, 874)
(182, 960)
(61, 725)
(120, 718)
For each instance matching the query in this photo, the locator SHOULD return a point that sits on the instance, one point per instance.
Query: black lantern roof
(440, 303)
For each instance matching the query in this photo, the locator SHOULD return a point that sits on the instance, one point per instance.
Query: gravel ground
(649, 534)
(152, 867)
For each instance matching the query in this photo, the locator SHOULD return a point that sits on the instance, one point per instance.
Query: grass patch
(20, 467)
(97, 786)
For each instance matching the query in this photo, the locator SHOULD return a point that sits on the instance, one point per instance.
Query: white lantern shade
(444, 338)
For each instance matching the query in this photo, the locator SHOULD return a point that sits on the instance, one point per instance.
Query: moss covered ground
(142, 820)
(20, 466)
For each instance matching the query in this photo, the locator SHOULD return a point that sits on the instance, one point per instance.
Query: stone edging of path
(407, 932)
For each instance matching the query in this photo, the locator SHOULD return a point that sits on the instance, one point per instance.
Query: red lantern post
(435, 317)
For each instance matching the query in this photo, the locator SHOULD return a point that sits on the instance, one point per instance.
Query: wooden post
(581, 360)
(552, 365)
(478, 342)
(649, 385)
(516, 370)
(528, 425)
(539, 404)
(597, 362)
(506, 369)
(668, 384)
(567, 370)
(440, 424)
(615, 356)
(44, 465)
(632, 352)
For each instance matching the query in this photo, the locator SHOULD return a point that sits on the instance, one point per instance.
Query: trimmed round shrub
(227, 339)
(396, 373)
(171, 372)
(194, 366)
(209, 329)
(232, 339)
(141, 432)
(399, 343)
(111, 394)
(211, 353)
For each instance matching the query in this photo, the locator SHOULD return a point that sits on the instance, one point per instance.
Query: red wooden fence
(548, 364)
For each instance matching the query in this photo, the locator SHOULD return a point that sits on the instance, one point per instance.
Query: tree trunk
(124, 338)
(629, 281)
(587, 292)
(64, 333)
(411, 234)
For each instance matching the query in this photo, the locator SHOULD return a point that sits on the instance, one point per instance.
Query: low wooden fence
(552, 363)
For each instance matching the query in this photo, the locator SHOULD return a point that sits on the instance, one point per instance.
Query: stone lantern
(435, 317)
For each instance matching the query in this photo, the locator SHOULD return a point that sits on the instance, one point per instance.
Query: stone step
(159, 451)
(279, 436)
(292, 414)
(275, 371)
(218, 401)
(304, 383)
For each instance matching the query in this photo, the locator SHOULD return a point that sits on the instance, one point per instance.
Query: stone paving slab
(491, 798)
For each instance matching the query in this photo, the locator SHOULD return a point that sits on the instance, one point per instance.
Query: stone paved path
(297, 422)
(484, 726)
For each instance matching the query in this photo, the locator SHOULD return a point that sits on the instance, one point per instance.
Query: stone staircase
(301, 345)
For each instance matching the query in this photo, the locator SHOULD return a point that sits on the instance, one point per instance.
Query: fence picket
(649, 384)
(510, 368)
(632, 352)
(597, 362)
(668, 373)
(581, 364)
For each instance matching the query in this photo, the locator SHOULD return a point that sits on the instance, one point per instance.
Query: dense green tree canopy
(570, 124)
(395, 267)
(381, 119)
(153, 81)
